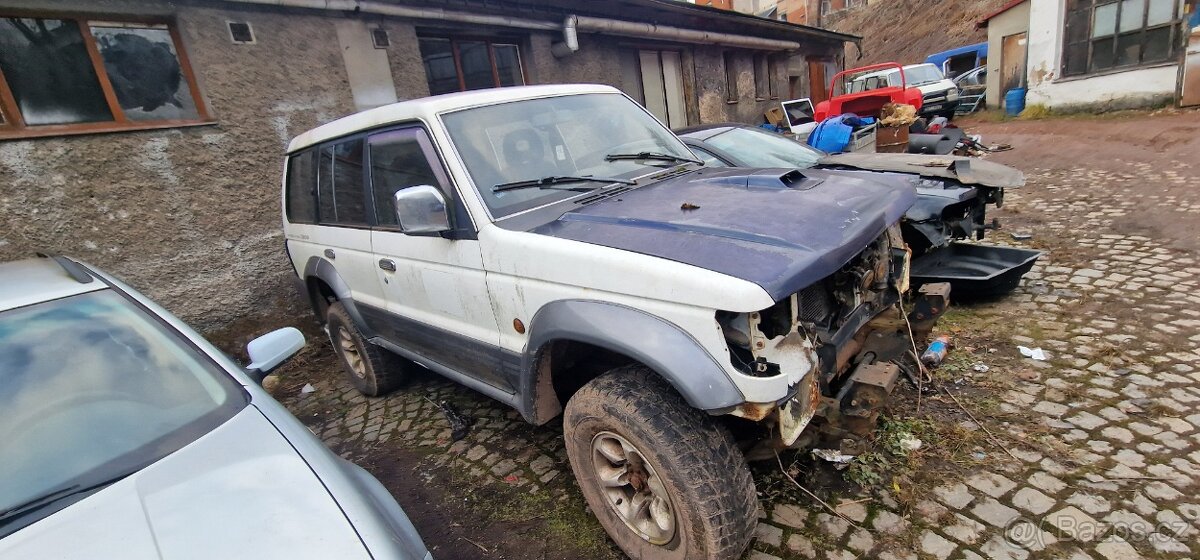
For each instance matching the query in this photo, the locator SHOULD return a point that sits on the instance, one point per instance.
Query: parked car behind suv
(952, 197)
(125, 435)
(939, 95)
(557, 248)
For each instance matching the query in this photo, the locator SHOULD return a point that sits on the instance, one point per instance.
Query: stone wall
(191, 216)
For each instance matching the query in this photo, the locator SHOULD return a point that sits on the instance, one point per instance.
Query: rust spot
(518, 326)
(754, 411)
(688, 206)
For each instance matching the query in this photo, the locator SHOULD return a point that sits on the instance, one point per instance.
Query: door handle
(387, 264)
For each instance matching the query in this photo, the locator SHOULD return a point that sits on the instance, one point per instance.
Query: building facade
(1084, 55)
(147, 137)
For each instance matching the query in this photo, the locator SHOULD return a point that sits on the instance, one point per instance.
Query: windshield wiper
(549, 182)
(650, 155)
(54, 496)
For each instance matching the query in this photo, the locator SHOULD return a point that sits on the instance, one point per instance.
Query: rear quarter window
(302, 188)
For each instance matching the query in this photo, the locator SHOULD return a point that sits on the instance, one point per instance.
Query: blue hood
(782, 229)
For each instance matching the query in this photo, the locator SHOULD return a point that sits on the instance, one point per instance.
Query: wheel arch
(620, 332)
(322, 282)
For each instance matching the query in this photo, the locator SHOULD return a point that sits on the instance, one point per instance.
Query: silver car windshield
(758, 148)
(94, 388)
(556, 137)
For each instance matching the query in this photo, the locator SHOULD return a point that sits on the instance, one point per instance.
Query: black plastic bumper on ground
(974, 270)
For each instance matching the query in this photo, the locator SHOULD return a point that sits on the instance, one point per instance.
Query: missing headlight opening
(770, 342)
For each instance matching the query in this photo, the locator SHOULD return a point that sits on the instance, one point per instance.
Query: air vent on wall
(241, 33)
(379, 37)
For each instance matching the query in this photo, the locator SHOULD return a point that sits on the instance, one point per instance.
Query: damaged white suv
(558, 249)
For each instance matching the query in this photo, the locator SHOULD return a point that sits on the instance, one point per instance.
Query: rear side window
(302, 188)
(340, 184)
(397, 162)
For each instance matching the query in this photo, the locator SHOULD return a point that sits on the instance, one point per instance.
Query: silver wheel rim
(351, 354)
(632, 489)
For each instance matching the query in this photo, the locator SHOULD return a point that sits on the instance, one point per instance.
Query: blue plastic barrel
(1014, 101)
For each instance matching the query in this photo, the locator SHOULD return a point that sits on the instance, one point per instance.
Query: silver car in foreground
(124, 434)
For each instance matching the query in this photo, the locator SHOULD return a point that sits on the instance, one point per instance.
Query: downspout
(570, 42)
(655, 31)
(570, 27)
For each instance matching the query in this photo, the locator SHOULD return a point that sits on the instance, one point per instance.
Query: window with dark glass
(302, 188)
(1107, 34)
(67, 75)
(397, 162)
(340, 195)
(466, 64)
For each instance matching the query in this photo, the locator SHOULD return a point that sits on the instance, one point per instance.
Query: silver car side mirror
(421, 209)
(270, 350)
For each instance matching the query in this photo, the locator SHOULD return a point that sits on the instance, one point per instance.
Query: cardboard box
(891, 139)
(775, 116)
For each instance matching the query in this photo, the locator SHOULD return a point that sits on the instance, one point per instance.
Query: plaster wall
(1119, 89)
(1015, 20)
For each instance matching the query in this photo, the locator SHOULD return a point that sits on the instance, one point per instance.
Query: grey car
(124, 434)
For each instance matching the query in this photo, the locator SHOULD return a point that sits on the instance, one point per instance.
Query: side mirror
(270, 350)
(421, 209)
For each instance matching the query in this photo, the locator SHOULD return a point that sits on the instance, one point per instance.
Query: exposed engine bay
(844, 332)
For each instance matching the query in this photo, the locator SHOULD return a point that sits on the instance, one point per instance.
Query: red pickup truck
(865, 90)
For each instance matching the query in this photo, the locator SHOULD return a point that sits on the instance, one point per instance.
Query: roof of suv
(427, 107)
(33, 281)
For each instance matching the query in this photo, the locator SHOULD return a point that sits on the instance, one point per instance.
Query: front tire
(664, 479)
(372, 370)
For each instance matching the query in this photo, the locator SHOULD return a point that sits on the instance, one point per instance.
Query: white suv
(558, 249)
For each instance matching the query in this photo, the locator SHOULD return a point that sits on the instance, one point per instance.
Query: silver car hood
(966, 170)
(239, 491)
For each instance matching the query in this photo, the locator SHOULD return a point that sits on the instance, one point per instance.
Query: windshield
(556, 136)
(750, 147)
(922, 74)
(93, 389)
(913, 76)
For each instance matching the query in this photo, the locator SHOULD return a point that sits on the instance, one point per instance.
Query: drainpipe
(570, 27)
(655, 31)
(570, 42)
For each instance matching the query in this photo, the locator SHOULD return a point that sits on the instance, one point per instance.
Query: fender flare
(654, 342)
(322, 269)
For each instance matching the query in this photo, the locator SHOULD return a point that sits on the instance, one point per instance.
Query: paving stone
(937, 546)
(832, 526)
(1000, 549)
(1090, 503)
(768, 534)
(994, 513)
(964, 530)
(1032, 501)
(861, 540)
(1074, 523)
(991, 484)
(888, 522)
(802, 546)
(1115, 548)
(955, 495)
(790, 515)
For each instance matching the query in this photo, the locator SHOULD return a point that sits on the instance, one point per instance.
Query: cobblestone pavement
(1104, 436)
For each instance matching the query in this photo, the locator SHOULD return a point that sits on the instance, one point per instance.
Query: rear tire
(372, 370)
(678, 487)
